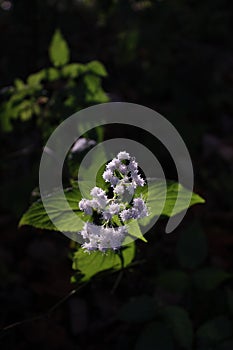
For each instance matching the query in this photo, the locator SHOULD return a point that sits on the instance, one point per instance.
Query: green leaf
(210, 278)
(94, 91)
(217, 329)
(134, 230)
(92, 83)
(173, 188)
(52, 74)
(175, 281)
(59, 52)
(155, 336)
(160, 190)
(177, 319)
(192, 248)
(97, 68)
(139, 309)
(36, 78)
(19, 84)
(37, 216)
(95, 262)
(73, 70)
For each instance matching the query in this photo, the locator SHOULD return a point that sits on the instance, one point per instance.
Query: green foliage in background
(32, 108)
(50, 95)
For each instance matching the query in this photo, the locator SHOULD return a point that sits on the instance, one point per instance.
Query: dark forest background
(176, 57)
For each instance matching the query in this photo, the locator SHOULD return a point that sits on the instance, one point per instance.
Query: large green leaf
(37, 216)
(192, 248)
(95, 262)
(166, 192)
(59, 52)
(177, 319)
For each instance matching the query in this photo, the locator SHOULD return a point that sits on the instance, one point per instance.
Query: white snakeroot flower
(119, 189)
(114, 208)
(130, 188)
(106, 215)
(123, 169)
(86, 206)
(123, 155)
(133, 166)
(111, 238)
(107, 175)
(113, 165)
(126, 215)
(114, 181)
(139, 181)
(100, 198)
(123, 175)
(102, 238)
(138, 211)
(97, 192)
(140, 206)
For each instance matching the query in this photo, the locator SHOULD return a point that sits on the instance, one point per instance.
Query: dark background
(177, 58)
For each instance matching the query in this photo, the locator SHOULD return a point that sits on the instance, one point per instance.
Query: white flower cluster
(123, 176)
(130, 178)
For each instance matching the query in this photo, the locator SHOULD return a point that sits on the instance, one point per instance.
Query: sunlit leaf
(37, 216)
(59, 52)
(97, 68)
(95, 262)
(160, 192)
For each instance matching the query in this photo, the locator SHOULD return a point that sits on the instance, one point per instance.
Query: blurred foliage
(31, 110)
(52, 94)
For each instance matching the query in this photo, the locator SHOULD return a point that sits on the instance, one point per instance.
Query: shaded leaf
(177, 319)
(210, 278)
(139, 309)
(173, 280)
(192, 248)
(215, 330)
(155, 336)
(226, 345)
